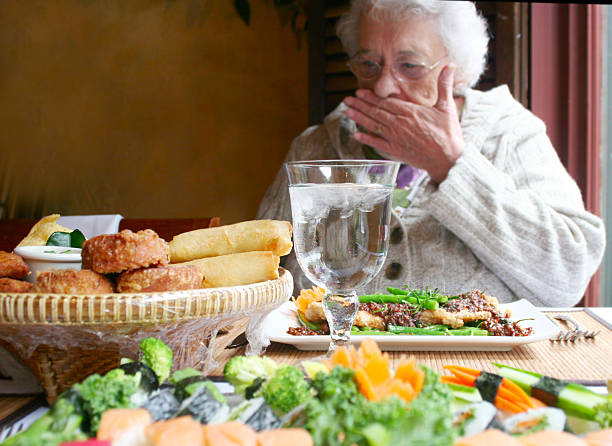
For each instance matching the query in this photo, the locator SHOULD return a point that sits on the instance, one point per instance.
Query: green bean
(386, 299)
(374, 333)
(416, 330)
(397, 291)
(306, 323)
(430, 304)
(468, 331)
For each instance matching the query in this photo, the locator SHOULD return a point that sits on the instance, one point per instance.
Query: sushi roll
(183, 431)
(162, 404)
(124, 426)
(257, 414)
(490, 437)
(549, 438)
(232, 433)
(599, 438)
(474, 418)
(148, 381)
(534, 420)
(205, 405)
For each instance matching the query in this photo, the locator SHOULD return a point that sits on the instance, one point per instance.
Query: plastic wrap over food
(64, 338)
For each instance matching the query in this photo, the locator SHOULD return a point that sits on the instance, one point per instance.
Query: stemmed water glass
(341, 213)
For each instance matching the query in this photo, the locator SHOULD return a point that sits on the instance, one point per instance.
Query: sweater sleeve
(523, 217)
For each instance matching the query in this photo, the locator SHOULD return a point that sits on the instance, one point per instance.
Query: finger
(445, 88)
(365, 121)
(373, 141)
(392, 105)
(370, 110)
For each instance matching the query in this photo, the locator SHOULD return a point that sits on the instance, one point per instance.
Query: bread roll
(254, 235)
(237, 269)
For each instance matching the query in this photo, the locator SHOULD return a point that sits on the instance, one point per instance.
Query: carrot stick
(511, 396)
(473, 372)
(467, 379)
(451, 380)
(504, 404)
(536, 402)
(517, 390)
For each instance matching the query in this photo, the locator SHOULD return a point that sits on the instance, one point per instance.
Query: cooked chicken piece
(314, 313)
(453, 319)
(365, 319)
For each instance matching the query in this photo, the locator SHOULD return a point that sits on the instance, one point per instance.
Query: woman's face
(412, 40)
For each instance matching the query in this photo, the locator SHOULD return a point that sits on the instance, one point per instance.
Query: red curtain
(566, 93)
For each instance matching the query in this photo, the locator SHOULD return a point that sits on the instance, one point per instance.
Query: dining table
(587, 361)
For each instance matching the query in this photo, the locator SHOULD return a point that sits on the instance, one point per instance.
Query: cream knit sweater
(508, 218)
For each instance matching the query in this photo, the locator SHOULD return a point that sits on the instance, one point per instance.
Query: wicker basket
(65, 338)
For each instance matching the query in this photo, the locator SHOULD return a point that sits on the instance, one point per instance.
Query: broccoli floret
(111, 391)
(286, 390)
(158, 356)
(241, 371)
(58, 425)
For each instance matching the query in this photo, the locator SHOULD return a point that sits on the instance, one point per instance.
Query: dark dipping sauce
(407, 315)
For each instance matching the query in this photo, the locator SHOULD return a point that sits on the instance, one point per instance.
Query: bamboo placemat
(586, 360)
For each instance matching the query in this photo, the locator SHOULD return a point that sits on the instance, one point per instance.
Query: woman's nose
(386, 84)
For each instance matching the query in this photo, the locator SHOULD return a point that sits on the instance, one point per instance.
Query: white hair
(461, 28)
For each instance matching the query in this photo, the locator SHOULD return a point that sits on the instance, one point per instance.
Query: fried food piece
(125, 251)
(253, 235)
(8, 285)
(237, 269)
(314, 313)
(453, 319)
(69, 281)
(161, 278)
(41, 231)
(13, 266)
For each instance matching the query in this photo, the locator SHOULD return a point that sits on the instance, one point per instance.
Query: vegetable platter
(351, 398)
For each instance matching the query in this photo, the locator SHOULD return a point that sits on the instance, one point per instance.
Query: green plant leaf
(244, 10)
(72, 239)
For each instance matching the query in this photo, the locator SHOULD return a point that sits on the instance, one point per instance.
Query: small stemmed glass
(341, 213)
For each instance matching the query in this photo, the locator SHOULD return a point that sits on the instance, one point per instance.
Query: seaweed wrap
(257, 414)
(162, 404)
(148, 381)
(205, 405)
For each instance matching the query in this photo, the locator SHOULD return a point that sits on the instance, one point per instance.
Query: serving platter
(279, 320)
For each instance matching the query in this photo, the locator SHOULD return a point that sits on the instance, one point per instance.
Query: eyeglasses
(403, 70)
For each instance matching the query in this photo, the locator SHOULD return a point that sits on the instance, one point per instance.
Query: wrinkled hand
(426, 137)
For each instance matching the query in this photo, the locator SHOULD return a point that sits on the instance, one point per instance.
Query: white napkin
(602, 314)
(92, 225)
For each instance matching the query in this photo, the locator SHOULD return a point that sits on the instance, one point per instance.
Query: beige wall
(159, 108)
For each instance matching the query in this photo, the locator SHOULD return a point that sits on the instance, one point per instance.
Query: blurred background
(186, 108)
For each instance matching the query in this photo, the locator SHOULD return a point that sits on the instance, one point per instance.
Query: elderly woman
(482, 200)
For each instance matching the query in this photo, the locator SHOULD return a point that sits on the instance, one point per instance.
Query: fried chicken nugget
(69, 281)
(13, 266)
(125, 251)
(161, 278)
(8, 285)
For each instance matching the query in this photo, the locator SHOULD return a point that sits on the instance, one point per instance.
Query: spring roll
(237, 269)
(254, 235)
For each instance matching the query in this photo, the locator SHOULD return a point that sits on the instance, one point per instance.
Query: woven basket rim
(141, 308)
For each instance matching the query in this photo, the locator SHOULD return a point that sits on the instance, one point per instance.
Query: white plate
(279, 320)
